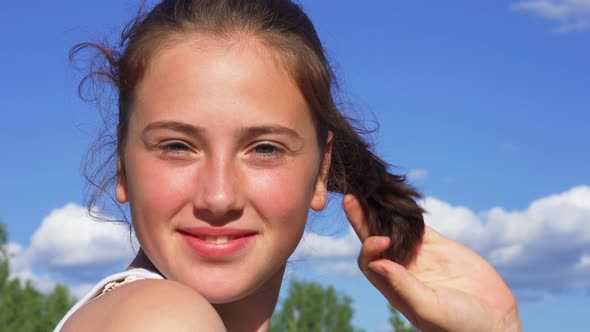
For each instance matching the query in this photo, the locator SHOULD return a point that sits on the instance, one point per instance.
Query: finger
(356, 217)
(401, 288)
(371, 250)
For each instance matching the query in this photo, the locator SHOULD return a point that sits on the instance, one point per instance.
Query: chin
(222, 294)
(223, 288)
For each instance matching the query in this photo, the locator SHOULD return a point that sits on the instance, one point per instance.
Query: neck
(142, 261)
(252, 313)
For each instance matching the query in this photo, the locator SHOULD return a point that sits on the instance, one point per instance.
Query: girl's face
(221, 166)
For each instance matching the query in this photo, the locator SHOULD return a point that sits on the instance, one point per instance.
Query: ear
(320, 194)
(121, 193)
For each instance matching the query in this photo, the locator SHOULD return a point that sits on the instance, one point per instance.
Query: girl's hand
(446, 287)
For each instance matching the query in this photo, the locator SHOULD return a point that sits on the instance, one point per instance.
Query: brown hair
(388, 202)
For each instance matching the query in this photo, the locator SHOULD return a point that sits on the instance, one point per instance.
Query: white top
(107, 284)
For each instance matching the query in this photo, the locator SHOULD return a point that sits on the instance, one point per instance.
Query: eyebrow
(245, 133)
(269, 129)
(175, 126)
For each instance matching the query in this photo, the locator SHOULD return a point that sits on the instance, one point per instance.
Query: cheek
(283, 195)
(153, 191)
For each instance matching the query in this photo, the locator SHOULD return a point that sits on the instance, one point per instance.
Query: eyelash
(277, 152)
(176, 147)
(180, 148)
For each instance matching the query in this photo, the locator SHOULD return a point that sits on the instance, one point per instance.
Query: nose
(218, 196)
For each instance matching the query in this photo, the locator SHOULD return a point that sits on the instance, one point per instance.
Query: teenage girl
(228, 133)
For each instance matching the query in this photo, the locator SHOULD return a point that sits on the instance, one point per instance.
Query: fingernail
(381, 240)
(378, 268)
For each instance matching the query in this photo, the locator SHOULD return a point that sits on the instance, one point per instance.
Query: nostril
(211, 217)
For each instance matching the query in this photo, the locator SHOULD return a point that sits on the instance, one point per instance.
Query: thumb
(404, 291)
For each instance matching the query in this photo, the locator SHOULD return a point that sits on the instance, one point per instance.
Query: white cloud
(43, 283)
(72, 248)
(330, 255)
(315, 246)
(417, 174)
(568, 14)
(544, 247)
(457, 222)
(13, 249)
(506, 255)
(583, 263)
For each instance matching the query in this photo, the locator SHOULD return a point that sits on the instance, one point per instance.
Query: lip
(240, 240)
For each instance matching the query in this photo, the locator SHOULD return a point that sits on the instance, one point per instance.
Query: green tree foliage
(309, 307)
(22, 307)
(4, 272)
(397, 323)
(56, 304)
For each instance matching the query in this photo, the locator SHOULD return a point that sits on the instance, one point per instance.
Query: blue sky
(484, 104)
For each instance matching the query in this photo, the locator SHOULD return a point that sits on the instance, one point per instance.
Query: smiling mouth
(218, 246)
(218, 239)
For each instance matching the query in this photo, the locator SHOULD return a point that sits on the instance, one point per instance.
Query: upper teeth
(219, 239)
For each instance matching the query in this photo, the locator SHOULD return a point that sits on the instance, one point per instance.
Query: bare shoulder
(147, 305)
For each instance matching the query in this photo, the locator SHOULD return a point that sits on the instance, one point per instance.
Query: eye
(265, 149)
(174, 147)
(267, 152)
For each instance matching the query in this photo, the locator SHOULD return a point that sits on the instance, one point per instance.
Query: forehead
(213, 76)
